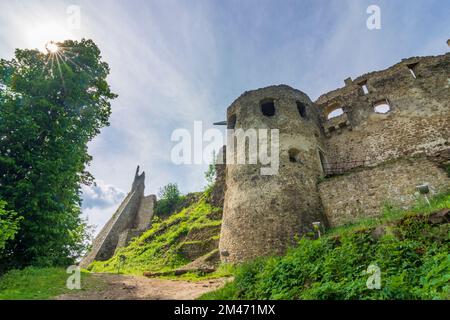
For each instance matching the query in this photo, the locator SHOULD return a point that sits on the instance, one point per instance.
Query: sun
(44, 36)
(51, 47)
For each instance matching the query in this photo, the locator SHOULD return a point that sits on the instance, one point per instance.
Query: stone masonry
(264, 213)
(132, 218)
(392, 135)
(363, 193)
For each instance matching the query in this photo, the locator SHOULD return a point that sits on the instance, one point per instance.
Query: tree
(210, 174)
(9, 225)
(170, 198)
(51, 105)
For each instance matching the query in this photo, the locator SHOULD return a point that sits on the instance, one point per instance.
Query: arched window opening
(382, 107)
(268, 107)
(231, 123)
(335, 113)
(301, 109)
(294, 155)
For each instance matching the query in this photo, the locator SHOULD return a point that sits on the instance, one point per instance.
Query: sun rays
(57, 57)
(52, 47)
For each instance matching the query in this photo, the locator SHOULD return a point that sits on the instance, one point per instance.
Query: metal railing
(335, 168)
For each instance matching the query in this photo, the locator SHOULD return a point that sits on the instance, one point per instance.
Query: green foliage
(210, 174)
(413, 258)
(35, 283)
(51, 106)
(158, 248)
(169, 198)
(9, 225)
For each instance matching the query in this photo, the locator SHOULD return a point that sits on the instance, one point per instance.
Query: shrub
(170, 198)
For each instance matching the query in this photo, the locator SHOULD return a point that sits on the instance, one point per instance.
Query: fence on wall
(335, 168)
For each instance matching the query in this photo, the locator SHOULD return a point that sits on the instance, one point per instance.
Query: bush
(211, 173)
(170, 198)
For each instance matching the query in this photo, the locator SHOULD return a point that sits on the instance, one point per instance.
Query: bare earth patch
(125, 287)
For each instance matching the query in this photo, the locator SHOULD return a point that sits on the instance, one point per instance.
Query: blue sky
(173, 62)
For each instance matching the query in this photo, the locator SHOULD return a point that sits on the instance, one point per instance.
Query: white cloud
(101, 195)
(100, 201)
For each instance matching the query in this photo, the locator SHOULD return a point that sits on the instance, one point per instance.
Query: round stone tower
(264, 214)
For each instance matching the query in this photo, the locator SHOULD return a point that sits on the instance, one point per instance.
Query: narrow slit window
(301, 109)
(364, 88)
(412, 68)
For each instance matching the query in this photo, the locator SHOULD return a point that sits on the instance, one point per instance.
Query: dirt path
(104, 286)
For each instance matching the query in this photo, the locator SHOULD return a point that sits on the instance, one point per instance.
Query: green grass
(158, 249)
(36, 283)
(413, 257)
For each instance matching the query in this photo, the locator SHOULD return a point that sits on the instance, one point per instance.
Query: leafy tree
(210, 174)
(169, 198)
(51, 106)
(9, 225)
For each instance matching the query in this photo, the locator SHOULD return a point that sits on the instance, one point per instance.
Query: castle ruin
(342, 157)
(132, 218)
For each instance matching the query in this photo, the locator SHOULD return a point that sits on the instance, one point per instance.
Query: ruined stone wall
(263, 214)
(131, 219)
(145, 214)
(362, 193)
(418, 122)
(218, 192)
(106, 241)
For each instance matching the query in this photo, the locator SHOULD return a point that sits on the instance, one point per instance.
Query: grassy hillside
(170, 243)
(411, 249)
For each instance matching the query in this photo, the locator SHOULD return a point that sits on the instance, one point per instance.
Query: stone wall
(218, 191)
(362, 193)
(418, 122)
(145, 213)
(131, 219)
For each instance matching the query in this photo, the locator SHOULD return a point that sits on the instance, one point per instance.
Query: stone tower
(132, 218)
(264, 214)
